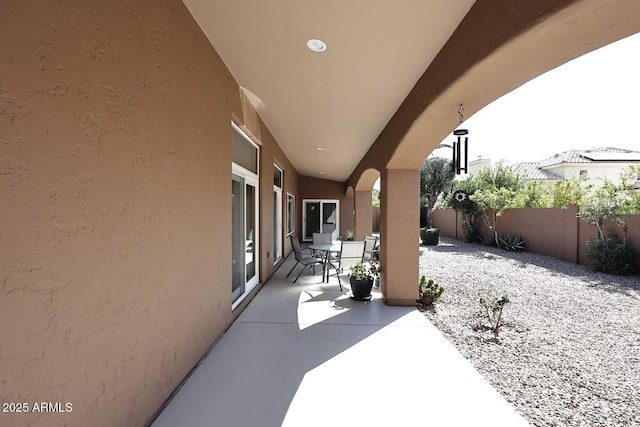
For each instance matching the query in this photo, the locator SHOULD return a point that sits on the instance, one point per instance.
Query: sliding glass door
(277, 213)
(244, 216)
(244, 224)
(320, 216)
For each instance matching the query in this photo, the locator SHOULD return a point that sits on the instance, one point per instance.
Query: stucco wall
(115, 163)
(272, 153)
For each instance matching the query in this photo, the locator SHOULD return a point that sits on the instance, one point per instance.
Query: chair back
(295, 244)
(370, 243)
(319, 238)
(351, 254)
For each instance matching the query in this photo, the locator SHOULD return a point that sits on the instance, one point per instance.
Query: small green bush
(430, 236)
(512, 243)
(612, 257)
(429, 291)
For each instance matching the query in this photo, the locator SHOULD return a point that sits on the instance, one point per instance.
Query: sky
(592, 101)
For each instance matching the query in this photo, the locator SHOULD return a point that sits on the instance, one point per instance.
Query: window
(583, 172)
(291, 213)
(243, 151)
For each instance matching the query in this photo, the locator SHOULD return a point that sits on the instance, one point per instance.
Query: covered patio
(305, 354)
(156, 156)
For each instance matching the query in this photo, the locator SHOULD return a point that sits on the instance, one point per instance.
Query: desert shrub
(612, 257)
(429, 291)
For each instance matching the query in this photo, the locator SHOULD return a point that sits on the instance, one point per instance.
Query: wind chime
(458, 154)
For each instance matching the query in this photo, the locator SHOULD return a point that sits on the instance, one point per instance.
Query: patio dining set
(340, 255)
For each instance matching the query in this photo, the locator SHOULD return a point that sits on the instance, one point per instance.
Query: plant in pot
(430, 236)
(361, 280)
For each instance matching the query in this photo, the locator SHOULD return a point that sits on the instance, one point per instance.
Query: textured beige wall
(399, 217)
(363, 220)
(272, 154)
(115, 165)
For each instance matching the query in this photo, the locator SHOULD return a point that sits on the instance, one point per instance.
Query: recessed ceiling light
(316, 45)
(321, 173)
(320, 149)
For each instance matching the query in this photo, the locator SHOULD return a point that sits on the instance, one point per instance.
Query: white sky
(592, 101)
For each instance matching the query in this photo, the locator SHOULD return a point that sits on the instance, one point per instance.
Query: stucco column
(399, 223)
(363, 221)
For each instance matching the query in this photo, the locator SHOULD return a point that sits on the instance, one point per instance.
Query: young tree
(492, 202)
(497, 189)
(605, 204)
(436, 176)
(535, 194)
(630, 190)
(568, 192)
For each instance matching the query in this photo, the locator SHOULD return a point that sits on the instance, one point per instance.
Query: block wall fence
(548, 231)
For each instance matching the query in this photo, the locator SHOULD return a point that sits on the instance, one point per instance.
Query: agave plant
(512, 243)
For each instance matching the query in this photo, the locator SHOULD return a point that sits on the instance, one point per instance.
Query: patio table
(326, 249)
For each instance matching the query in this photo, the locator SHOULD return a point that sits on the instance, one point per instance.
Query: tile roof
(531, 170)
(582, 156)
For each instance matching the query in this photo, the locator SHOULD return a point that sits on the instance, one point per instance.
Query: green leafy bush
(471, 232)
(429, 291)
(512, 243)
(430, 236)
(492, 307)
(612, 257)
(366, 271)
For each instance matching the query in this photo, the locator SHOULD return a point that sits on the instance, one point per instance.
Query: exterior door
(277, 225)
(277, 213)
(320, 216)
(244, 243)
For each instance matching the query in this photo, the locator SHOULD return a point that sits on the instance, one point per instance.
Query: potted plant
(430, 236)
(361, 280)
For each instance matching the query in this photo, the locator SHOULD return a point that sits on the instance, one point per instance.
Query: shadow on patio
(297, 358)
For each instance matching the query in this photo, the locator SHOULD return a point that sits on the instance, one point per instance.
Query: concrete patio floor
(305, 354)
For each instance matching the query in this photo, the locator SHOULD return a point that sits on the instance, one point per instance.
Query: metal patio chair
(370, 243)
(351, 253)
(300, 259)
(323, 238)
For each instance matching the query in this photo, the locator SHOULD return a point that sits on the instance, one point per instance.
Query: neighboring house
(595, 163)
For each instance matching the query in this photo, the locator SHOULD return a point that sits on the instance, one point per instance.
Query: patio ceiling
(338, 100)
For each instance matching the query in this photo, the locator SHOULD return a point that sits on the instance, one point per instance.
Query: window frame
(291, 214)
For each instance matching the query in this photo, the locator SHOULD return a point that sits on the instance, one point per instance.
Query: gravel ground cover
(569, 353)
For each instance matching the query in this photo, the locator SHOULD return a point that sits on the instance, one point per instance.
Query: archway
(363, 211)
(492, 52)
